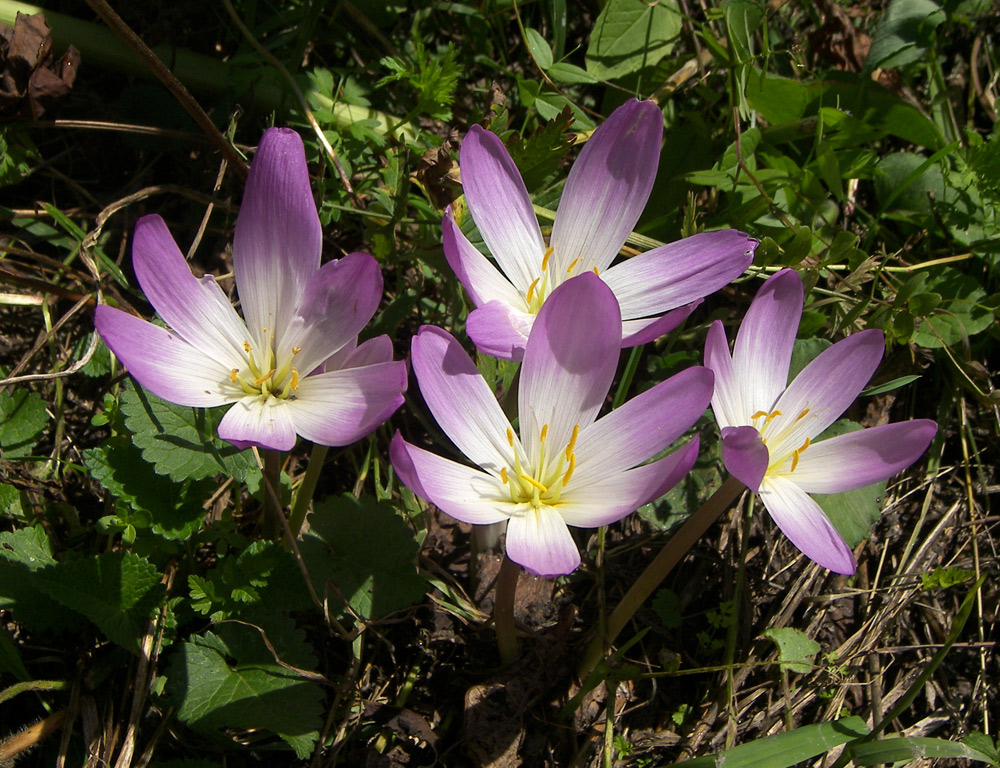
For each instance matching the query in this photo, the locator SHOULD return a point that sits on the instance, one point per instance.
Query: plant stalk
(503, 610)
(304, 495)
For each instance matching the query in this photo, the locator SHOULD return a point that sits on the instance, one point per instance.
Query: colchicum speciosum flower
(604, 195)
(769, 426)
(562, 466)
(294, 365)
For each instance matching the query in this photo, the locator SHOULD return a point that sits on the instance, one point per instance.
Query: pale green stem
(657, 571)
(303, 497)
(272, 501)
(503, 610)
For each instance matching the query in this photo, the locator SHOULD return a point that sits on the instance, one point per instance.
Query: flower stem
(503, 610)
(272, 501)
(304, 495)
(657, 571)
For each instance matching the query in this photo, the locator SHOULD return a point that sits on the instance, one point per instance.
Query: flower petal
(638, 332)
(197, 310)
(278, 240)
(163, 363)
(861, 458)
(461, 401)
(569, 362)
(727, 400)
(341, 407)
(465, 493)
(613, 497)
(483, 281)
(745, 455)
(645, 425)
(337, 304)
(607, 188)
(824, 390)
(678, 273)
(500, 206)
(498, 330)
(371, 352)
(763, 349)
(805, 525)
(540, 542)
(256, 421)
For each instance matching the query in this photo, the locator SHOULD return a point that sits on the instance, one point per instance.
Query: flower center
(544, 485)
(782, 434)
(542, 286)
(263, 376)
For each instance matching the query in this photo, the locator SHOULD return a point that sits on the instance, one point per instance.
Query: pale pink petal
(371, 352)
(763, 349)
(861, 458)
(644, 426)
(465, 493)
(638, 332)
(678, 273)
(260, 422)
(612, 497)
(727, 401)
(607, 188)
(805, 525)
(569, 362)
(278, 240)
(745, 455)
(500, 206)
(498, 330)
(483, 282)
(162, 362)
(460, 400)
(197, 310)
(539, 541)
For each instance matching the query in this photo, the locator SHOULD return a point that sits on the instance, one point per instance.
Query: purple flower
(768, 426)
(563, 466)
(293, 365)
(604, 195)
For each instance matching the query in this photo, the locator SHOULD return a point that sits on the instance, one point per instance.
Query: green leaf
(881, 389)
(903, 34)
(232, 680)
(666, 605)
(899, 748)
(743, 19)
(367, 551)
(22, 553)
(570, 74)
(961, 313)
(853, 513)
(784, 750)
(22, 421)
(803, 353)
(181, 442)
(175, 507)
(540, 50)
(10, 659)
(630, 35)
(117, 591)
(551, 105)
(796, 650)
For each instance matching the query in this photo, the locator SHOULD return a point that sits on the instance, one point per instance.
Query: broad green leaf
(539, 48)
(22, 421)
(899, 748)
(174, 506)
(853, 513)
(961, 313)
(22, 553)
(796, 650)
(803, 353)
(551, 105)
(905, 31)
(784, 750)
(367, 552)
(181, 442)
(630, 35)
(907, 181)
(230, 679)
(743, 19)
(570, 74)
(13, 502)
(117, 591)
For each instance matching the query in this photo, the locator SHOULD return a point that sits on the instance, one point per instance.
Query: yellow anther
(534, 482)
(795, 461)
(503, 475)
(265, 329)
(802, 415)
(772, 415)
(531, 288)
(296, 350)
(569, 470)
(262, 379)
(804, 446)
(510, 436)
(246, 346)
(544, 433)
(572, 266)
(572, 442)
(596, 272)
(234, 375)
(295, 379)
(545, 258)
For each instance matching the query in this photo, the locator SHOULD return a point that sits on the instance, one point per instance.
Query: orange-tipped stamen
(545, 258)
(569, 470)
(503, 475)
(544, 432)
(234, 375)
(295, 379)
(572, 265)
(531, 289)
(510, 436)
(535, 483)
(572, 442)
(262, 379)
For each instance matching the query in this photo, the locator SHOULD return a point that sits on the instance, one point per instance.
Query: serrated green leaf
(540, 50)
(181, 442)
(796, 650)
(367, 551)
(630, 35)
(22, 553)
(175, 508)
(117, 591)
(962, 312)
(99, 363)
(230, 679)
(22, 421)
(783, 750)
(13, 502)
